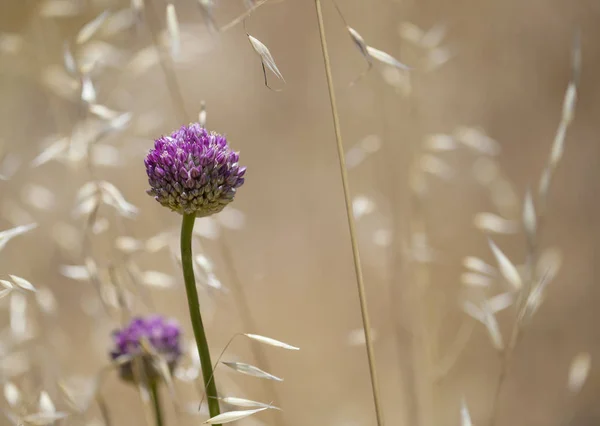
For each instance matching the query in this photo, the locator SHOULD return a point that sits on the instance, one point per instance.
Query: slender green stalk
(187, 226)
(104, 412)
(353, 240)
(155, 396)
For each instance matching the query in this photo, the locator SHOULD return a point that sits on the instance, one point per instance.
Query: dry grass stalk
(529, 283)
(350, 216)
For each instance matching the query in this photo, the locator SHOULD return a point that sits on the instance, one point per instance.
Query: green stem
(187, 226)
(154, 395)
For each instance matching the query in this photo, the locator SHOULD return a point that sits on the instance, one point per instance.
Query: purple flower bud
(195, 172)
(203, 179)
(163, 337)
(194, 161)
(221, 158)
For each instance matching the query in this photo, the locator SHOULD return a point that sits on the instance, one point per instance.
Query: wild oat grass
(400, 252)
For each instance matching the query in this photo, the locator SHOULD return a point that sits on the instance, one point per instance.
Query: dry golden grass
(281, 253)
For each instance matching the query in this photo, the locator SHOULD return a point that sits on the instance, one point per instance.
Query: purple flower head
(193, 171)
(162, 335)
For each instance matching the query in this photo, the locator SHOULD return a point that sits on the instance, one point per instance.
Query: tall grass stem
(155, 397)
(353, 240)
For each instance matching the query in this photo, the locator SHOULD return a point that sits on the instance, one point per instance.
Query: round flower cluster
(163, 336)
(193, 171)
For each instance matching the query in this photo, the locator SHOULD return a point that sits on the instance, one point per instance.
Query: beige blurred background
(287, 272)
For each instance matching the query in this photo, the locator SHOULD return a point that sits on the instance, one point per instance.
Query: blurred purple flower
(161, 334)
(193, 171)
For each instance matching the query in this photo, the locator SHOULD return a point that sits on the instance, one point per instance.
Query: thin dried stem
(418, 276)
(351, 225)
(456, 349)
(423, 338)
(250, 324)
(532, 240)
(59, 114)
(216, 364)
(166, 66)
(242, 17)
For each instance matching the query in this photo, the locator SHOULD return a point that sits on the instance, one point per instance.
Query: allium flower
(162, 335)
(193, 171)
